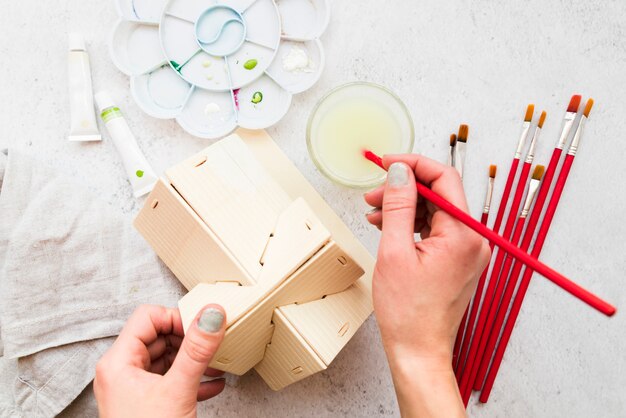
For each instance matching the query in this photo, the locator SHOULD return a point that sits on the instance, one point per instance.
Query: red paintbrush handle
(475, 302)
(478, 344)
(459, 337)
(536, 265)
(562, 281)
(521, 292)
(544, 189)
(463, 354)
(501, 304)
(487, 312)
(470, 325)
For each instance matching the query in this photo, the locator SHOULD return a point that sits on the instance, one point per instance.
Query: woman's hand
(421, 289)
(154, 370)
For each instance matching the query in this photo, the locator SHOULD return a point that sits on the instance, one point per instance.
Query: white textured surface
(477, 62)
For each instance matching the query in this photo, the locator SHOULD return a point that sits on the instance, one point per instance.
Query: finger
(163, 363)
(443, 180)
(207, 390)
(399, 203)
(211, 372)
(141, 330)
(375, 197)
(374, 216)
(157, 348)
(198, 347)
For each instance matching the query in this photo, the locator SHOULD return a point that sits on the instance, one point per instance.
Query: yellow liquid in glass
(350, 127)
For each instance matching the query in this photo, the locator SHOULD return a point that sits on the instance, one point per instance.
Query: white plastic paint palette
(217, 65)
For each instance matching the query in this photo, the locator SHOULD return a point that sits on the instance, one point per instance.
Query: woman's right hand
(421, 289)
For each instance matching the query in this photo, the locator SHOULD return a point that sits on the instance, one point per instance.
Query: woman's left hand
(154, 370)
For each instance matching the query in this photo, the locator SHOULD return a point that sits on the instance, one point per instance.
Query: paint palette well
(214, 66)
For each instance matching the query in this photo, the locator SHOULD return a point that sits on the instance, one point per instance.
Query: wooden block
(296, 225)
(242, 223)
(234, 196)
(184, 243)
(288, 358)
(295, 185)
(243, 346)
(329, 271)
(337, 319)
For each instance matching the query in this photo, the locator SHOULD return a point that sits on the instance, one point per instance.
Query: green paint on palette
(175, 65)
(250, 64)
(139, 173)
(257, 97)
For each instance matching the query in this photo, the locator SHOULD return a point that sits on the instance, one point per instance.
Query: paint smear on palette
(250, 64)
(236, 97)
(257, 97)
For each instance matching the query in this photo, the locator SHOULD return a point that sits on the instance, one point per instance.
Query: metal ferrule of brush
(459, 157)
(568, 122)
(522, 140)
(532, 191)
(488, 196)
(533, 144)
(451, 157)
(579, 132)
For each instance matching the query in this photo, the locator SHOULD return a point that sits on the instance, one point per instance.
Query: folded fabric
(72, 269)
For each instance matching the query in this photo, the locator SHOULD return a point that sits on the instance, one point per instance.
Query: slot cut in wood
(201, 161)
(267, 244)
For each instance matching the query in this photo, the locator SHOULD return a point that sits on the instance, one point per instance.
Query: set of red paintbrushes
(486, 327)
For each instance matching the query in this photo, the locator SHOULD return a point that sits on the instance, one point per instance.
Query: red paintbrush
(494, 320)
(543, 231)
(496, 283)
(532, 262)
(463, 353)
(466, 332)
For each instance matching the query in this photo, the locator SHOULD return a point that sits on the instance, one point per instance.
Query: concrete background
(476, 62)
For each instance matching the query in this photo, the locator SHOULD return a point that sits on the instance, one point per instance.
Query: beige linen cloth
(72, 269)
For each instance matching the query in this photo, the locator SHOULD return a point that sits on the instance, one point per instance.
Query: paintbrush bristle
(574, 103)
(588, 107)
(529, 113)
(538, 172)
(452, 140)
(542, 119)
(463, 131)
(492, 171)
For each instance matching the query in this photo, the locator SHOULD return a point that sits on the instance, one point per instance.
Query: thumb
(399, 204)
(201, 341)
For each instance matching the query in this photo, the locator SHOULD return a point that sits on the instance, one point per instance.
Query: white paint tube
(83, 124)
(138, 170)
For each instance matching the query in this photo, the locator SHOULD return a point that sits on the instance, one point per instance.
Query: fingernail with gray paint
(372, 211)
(211, 320)
(398, 175)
